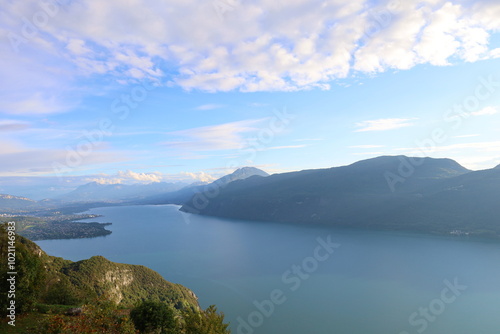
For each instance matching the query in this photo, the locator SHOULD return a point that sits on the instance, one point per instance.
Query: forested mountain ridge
(46, 294)
(53, 280)
(389, 192)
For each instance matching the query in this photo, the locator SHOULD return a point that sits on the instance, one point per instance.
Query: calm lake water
(285, 279)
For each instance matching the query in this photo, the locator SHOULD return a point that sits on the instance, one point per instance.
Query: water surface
(373, 282)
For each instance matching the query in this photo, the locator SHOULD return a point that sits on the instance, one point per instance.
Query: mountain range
(388, 192)
(96, 192)
(185, 194)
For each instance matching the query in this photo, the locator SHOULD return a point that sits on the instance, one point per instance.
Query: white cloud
(7, 125)
(105, 180)
(467, 136)
(130, 177)
(209, 106)
(212, 138)
(199, 176)
(366, 146)
(285, 147)
(142, 177)
(309, 139)
(127, 177)
(384, 124)
(19, 159)
(485, 111)
(37, 103)
(262, 45)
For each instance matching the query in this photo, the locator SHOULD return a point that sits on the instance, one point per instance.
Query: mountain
(9, 203)
(240, 174)
(389, 192)
(183, 195)
(52, 280)
(95, 192)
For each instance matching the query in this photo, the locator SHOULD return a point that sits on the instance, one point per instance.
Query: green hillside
(392, 193)
(53, 280)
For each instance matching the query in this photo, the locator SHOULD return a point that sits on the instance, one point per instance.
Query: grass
(25, 324)
(30, 323)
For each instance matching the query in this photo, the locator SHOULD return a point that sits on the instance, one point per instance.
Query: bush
(205, 322)
(154, 317)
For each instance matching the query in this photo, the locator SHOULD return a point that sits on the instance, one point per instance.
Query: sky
(184, 90)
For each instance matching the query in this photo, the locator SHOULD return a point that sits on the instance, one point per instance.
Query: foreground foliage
(102, 316)
(153, 317)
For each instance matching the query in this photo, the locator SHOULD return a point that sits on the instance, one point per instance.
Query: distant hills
(185, 194)
(389, 192)
(152, 193)
(9, 203)
(96, 192)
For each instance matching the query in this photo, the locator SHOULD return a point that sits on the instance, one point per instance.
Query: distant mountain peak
(241, 174)
(250, 171)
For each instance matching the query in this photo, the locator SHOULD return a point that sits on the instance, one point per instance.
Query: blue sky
(182, 91)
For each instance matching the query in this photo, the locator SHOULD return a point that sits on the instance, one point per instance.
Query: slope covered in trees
(103, 290)
(391, 192)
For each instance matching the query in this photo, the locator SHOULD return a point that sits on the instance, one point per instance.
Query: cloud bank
(262, 45)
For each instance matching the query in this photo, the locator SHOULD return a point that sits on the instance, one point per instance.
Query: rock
(74, 311)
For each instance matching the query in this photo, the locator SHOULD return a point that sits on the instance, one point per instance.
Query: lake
(273, 278)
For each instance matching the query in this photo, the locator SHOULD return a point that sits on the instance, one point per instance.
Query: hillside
(10, 203)
(52, 280)
(397, 193)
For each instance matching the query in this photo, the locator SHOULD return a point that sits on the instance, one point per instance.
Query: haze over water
(373, 282)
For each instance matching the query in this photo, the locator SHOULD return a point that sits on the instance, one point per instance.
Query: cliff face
(60, 281)
(126, 284)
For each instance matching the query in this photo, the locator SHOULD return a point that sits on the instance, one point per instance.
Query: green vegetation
(206, 322)
(30, 276)
(100, 316)
(149, 317)
(36, 228)
(47, 286)
(436, 196)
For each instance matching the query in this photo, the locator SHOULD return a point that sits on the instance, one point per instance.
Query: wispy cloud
(258, 105)
(384, 124)
(368, 153)
(131, 177)
(12, 125)
(489, 146)
(285, 147)
(467, 136)
(366, 146)
(225, 136)
(308, 139)
(209, 106)
(485, 111)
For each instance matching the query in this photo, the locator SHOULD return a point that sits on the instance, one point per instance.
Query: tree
(154, 317)
(205, 322)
